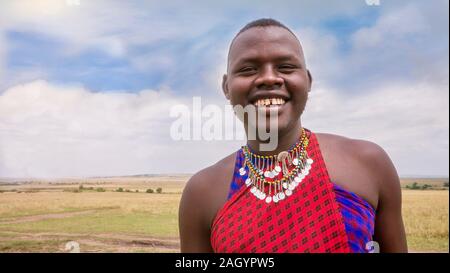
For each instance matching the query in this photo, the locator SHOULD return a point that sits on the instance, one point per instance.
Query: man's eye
(247, 69)
(287, 67)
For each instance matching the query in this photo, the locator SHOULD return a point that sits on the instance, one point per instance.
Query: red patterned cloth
(307, 221)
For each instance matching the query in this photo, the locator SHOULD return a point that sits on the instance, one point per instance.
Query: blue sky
(182, 58)
(386, 65)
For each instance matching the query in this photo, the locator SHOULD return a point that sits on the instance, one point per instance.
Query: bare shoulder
(366, 169)
(209, 186)
(203, 195)
(361, 150)
(359, 165)
(210, 177)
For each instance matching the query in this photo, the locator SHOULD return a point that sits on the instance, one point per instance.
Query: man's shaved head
(264, 22)
(261, 23)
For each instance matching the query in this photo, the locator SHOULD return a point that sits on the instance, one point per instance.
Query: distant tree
(137, 191)
(415, 186)
(119, 190)
(159, 190)
(446, 184)
(81, 187)
(150, 191)
(101, 190)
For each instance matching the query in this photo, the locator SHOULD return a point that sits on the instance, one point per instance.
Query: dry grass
(44, 217)
(425, 214)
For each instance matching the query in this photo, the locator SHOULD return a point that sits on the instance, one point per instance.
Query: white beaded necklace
(264, 171)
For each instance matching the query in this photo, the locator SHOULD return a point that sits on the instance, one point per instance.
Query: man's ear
(225, 86)
(310, 80)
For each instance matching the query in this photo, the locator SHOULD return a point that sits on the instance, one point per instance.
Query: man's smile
(269, 102)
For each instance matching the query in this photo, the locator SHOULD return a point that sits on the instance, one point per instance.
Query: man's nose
(269, 78)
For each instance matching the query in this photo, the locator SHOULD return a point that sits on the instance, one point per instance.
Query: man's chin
(266, 130)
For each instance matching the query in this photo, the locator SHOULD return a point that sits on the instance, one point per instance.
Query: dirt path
(104, 242)
(33, 218)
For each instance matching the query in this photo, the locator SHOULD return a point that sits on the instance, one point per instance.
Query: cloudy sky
(86, 87)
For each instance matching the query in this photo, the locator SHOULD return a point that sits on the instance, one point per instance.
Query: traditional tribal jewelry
(270, 177)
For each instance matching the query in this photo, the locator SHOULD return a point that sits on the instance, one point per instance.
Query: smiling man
(314, 193)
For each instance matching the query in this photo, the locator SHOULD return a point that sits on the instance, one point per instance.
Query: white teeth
(269, 101)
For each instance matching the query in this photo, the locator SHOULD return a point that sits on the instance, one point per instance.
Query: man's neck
(285, 141)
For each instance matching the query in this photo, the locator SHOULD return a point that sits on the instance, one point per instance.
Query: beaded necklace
(269, 177)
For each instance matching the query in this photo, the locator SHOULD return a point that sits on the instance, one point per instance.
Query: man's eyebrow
(281, 58)
(250, 59)
(289, 57)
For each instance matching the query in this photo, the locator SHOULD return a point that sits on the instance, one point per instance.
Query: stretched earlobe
(310, 80)
(225, 87)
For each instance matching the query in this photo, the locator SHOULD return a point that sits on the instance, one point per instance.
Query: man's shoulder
(359, 165)
(358, 149)
(206, 191)
(211, 177)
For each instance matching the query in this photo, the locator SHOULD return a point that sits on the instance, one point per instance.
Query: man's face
(266, 65)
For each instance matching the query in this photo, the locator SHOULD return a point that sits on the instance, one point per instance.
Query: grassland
(42, 216)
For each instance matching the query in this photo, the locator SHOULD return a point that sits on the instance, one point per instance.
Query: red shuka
(307, 221)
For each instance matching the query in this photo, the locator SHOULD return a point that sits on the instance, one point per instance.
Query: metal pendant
(248, 182)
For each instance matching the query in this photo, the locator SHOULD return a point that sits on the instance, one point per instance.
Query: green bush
(136, 190)
(446, 184)
(81, 187)
(101, 190)
(159, 190)
(119, 190)
(149, 191)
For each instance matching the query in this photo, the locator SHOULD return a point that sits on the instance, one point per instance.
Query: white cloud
(321, 55)
(395, 25)
(50, 130)
(58, 131)
(411, 122)
(409, 41)
(105, 25)
(2, 57)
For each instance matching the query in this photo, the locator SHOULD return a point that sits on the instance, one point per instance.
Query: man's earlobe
(225, 87)
(310, 80)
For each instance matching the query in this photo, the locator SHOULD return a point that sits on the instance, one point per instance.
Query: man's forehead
(246, 42)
